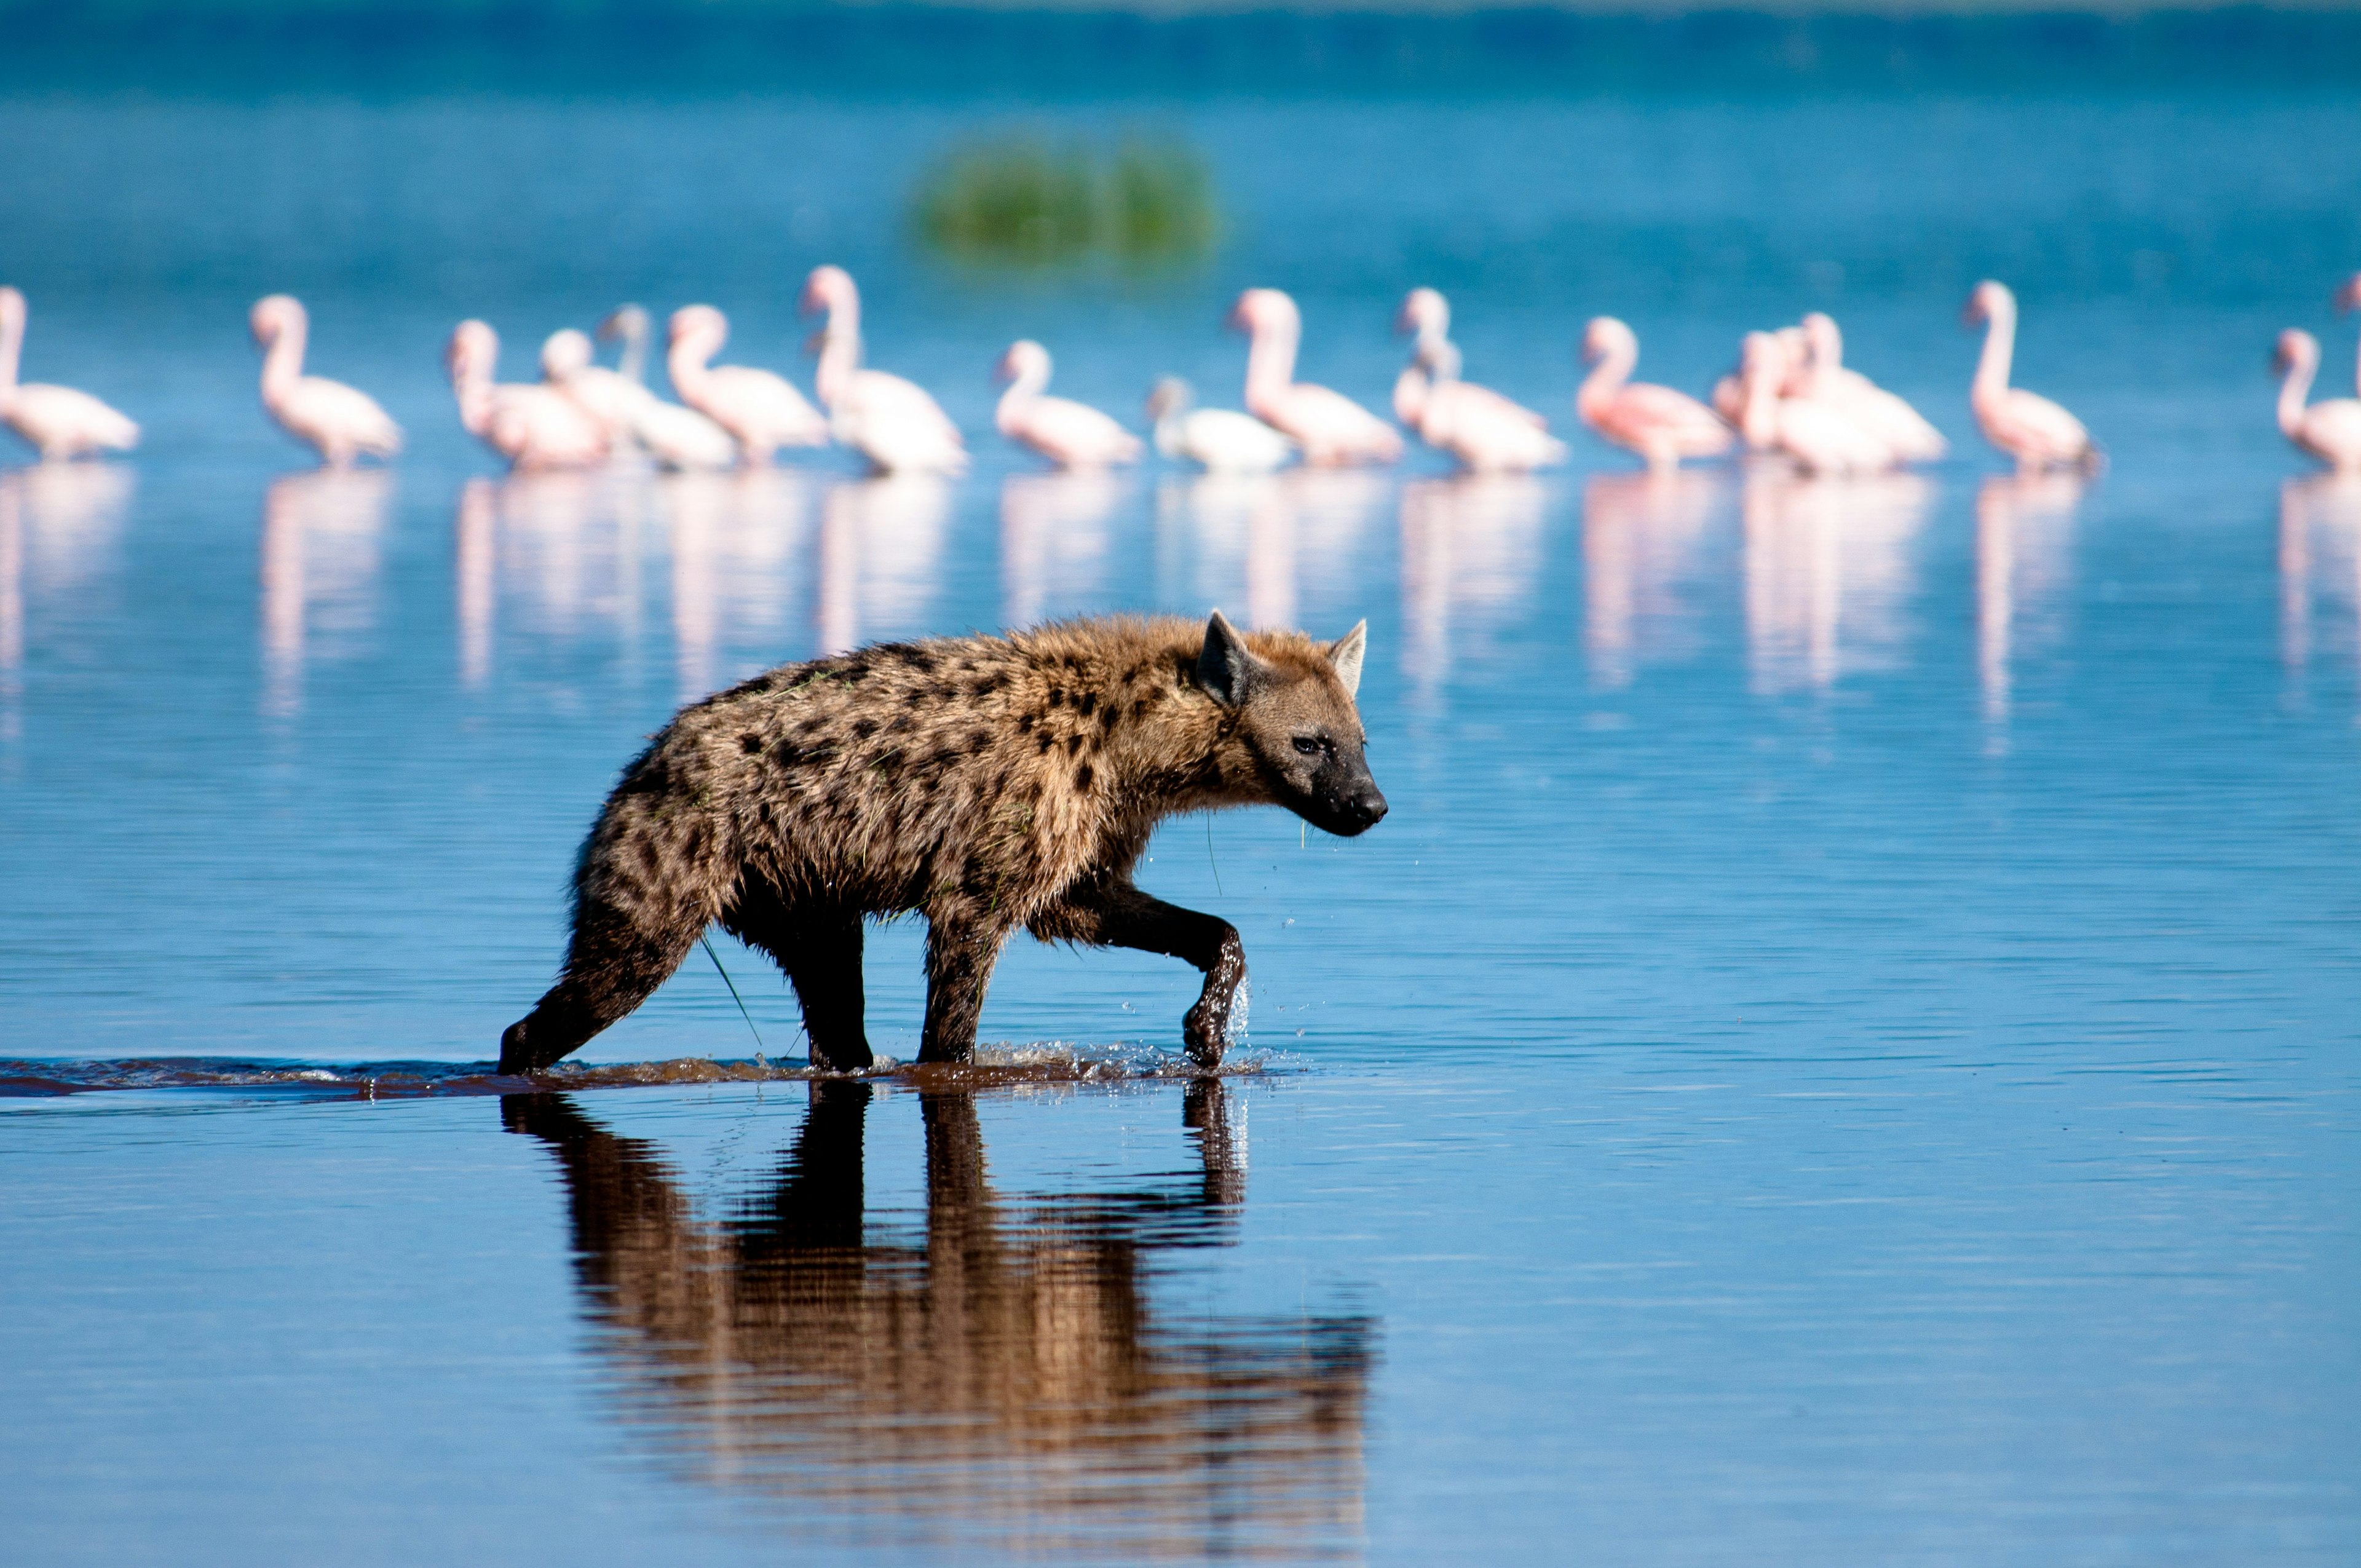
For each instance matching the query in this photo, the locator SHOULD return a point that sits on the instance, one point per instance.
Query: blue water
(1842, 1052)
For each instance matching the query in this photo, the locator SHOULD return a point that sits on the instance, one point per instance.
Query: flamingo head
(1988, 301)
(1423, 312)
(2296, 349)
(1024, 357)
(475, 348)
(1606, 337)
(2348, 298)
(829, 290)
(628, 322)
(272, 315)
(12, 310)
(566, 353)
(1260, 311)
(700, 324)
(1170, 397)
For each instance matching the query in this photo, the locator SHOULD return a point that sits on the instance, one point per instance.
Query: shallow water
(1842, 1051)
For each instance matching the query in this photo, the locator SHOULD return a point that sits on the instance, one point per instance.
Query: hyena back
(985, 783)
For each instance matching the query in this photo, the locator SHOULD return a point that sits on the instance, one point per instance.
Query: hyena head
(1297, 719)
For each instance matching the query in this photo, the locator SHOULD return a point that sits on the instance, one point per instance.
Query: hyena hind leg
(820, 952)
(611, 966)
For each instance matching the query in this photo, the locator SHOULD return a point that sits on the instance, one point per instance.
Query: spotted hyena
(985, 783)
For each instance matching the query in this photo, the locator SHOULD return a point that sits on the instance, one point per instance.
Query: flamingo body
(2031, 429)
(760, 409)
(1486, 432)
(1332, 428)
(1661, 425)
(1071, 434)
(1885, 416)
(891, 421)
(676, 437)
(340, 422)
(2329, 429)
(1219, 440)
(531, 426)
(1817, 436)
(59, 422)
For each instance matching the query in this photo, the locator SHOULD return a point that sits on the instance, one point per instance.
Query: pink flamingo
(1885, 416)
(531, 426)
(1331, 429)
(891, 421)
(1659, 424)
(757, 407)
(676, 437)
(61, 423)
(1487, 432)
(2031, 429)
(1223, 441)
(341, 422)
(2329, 429)
(1819, 438)
(1071, 434)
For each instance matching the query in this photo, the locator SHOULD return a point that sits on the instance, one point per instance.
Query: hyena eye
(1310, 745)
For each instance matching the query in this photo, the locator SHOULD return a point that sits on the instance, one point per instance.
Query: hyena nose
(1369, 807)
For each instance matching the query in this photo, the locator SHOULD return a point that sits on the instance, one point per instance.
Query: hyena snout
(1346, 802)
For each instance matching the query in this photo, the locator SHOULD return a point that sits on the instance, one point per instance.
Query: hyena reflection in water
(987, 782)
(1000, 1371)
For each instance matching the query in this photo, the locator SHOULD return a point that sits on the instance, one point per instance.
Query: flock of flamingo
(1791, 394)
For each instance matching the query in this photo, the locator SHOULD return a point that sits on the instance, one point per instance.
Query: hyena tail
(631, 929)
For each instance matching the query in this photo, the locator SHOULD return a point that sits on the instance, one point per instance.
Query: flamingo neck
(840, 357)
(2356, 370)
(1029, 384)
(1759, 416)
(283, 363)
(1270, 362)
(2293, 391)
(12, 344)
(1607, 378)
(685, 363)
(634, 366)
(2000, 346)
(471, 384)
(1410, 389)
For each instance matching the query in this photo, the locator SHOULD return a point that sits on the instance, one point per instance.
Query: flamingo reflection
(1236, 538)
(58, 527)
(990, 1369)
(1828, 574)
(320, 532)
(1053, 540)
(2319, 508)
(2023, 529)
(1639, 535)
(1470, 552)
(737, 542)
(880, 542)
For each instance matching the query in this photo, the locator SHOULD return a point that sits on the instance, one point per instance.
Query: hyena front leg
(1117, 915)
(960, 956)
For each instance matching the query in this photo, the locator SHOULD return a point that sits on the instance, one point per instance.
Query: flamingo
(60, 421)
(1817, 436)
(891, 421)
(761, 409)
(1487, 432)
(1071, 434)
(1221, 440)
(628, 323)
(1659, 424)
(2031, 429)
(531, 426)
(1331, 429)
(2329, 429)
(341, 422)
(675, 436)
(2348, 298)
(1885, 416)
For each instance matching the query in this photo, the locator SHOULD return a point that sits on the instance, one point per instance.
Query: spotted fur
(984, 782)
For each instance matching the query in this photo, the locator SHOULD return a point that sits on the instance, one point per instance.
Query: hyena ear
(1225, 666)
(1344, 654)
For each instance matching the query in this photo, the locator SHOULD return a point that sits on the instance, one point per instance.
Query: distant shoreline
(1193, 47)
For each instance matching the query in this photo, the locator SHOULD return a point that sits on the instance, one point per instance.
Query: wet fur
(985, 783)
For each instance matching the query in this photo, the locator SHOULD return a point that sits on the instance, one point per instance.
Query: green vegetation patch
(1024, 201)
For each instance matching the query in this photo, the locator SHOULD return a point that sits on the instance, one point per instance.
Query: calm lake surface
(1844, 1050)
